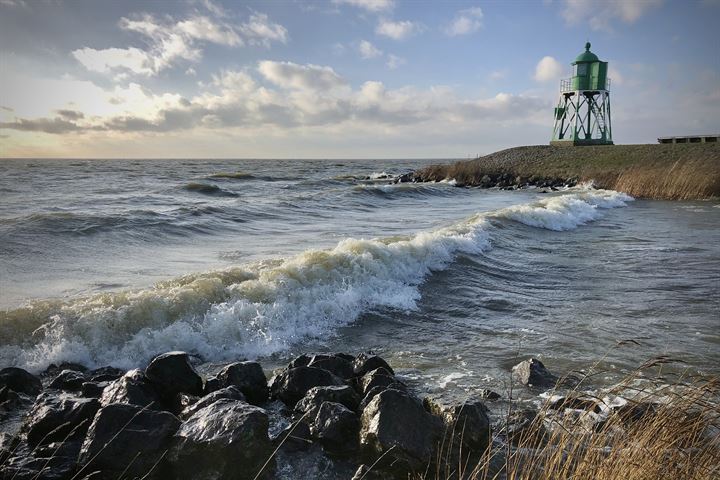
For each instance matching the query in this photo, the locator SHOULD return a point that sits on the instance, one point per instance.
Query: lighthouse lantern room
(582, 115)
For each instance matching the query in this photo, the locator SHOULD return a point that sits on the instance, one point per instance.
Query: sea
(110, 262)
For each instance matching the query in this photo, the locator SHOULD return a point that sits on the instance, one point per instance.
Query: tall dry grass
(671, 431)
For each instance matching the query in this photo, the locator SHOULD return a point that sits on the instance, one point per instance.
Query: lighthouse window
(581, 69)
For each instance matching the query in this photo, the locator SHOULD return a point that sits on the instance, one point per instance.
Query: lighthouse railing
(566, 84)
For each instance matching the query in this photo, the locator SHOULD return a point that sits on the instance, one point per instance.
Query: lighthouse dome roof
(587, 56)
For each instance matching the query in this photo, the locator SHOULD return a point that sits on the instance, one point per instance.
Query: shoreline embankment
(655, 171)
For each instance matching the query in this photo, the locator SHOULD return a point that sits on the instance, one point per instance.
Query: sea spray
(262, 308)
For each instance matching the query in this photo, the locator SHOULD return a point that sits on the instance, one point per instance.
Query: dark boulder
(533, 373)
(365, 472)
(395, 420)
(294, 438)
(93, 389)
(172, 373)
(377, 389)
(58, 418)
(105, 374)
(293, 384)
(365, 363)
(467, 426)
(20, 381)
(334, 364)
(132, 389)
(299, 361)
(489, 395)
(248, 377)
(380, 377)
(53, 370)
(575, 402)
(129, 440)
(312, 400)
(225, 440)
(54, 461)
(231, 393)
(336, 428)
(524, 428)
(68, 380)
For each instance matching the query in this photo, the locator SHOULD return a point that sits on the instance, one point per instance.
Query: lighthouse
(582, 115)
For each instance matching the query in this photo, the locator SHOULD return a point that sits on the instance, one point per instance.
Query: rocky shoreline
(337, 415)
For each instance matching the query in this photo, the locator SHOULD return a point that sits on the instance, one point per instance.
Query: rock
(93, 389)
(54, 461)
(576, 403)
(394, 419)
(336, 428)
(377, 389)
(466, 425)
(248, 377)
(364, 472)
(225, 440)
(365, 363)
(232, 393)
(312, 400)
(68, 380)
(489, 395)
(20, 381)
(172, 373)
(380, 377)
(105, 374)
(129, 440)
(132, 389)
(523, 427)
(10, 401)
(58, 418)
(301, 361)
(53, 370)
(296, 437)
(292, 385)
(334, 364)
(533, 373)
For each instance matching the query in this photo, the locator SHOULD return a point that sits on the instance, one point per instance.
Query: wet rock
(576, 403)
(394, 419)
(365, 363)
(365, 472)
(20, 381)
(633, 412)
(376, 390)
(130, 439)
(489, 395)
(227, 439)
(68, 380)
(93, 389)
(311, 402)
(172, 373)
(295, 438)
(230, 393)
(380, 377)
(533, 373)
(338, 366)
(8, 443)
(105, 374)
(300, 361)
(292, 385)
(10, 401)
(467, 426)
(54, 461)
(336, 428)
(54, 370)
(132, 389)
(523, 427)
(59, 418)
(248, 377)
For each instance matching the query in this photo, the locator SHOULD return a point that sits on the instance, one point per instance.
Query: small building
(582, 115)
(691, 139)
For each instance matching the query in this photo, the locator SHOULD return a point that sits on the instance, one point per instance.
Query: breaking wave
(266, 307)
(208, 189)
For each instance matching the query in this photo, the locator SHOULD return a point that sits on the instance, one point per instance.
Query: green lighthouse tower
(582, 116)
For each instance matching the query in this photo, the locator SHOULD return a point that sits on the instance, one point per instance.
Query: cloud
(548, 69)
(393, 61)
(304, 77)
(106, 60)
(599, 14)
(368, 50)
(465, 22)
(70, 114)
(259, 30)
(170, 41)
(55, 125)
(369, 5)
(397, 30)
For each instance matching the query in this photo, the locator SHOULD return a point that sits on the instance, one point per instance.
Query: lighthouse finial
(587, 46)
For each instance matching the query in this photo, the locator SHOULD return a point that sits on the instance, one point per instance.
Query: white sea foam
(565, 212)
(265, 307)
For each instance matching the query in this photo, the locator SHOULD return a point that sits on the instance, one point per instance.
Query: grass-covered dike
(658, 171)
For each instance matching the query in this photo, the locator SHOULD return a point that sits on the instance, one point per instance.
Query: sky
(340, 78)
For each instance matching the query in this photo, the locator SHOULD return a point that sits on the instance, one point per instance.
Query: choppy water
(110, 262)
